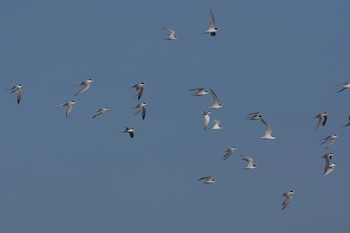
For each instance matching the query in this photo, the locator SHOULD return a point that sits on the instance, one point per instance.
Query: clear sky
(81, 175)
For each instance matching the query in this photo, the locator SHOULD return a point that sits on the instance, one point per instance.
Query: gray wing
(86, 86)
(212, 19)
(143, 113)
(215, 97)
(18, 95)
(69, 110)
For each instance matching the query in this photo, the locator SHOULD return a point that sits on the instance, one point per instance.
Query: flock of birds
(199, 92)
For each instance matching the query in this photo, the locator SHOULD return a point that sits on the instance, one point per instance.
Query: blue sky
(81, 175)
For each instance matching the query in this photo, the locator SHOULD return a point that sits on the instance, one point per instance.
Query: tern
(229, 152)
(329, 140)
(216, 103)
(69, 106)
(199, 91)
(18, 90)
(207, 180)
(206, 118)
(100, 111)
(268, 130)
(138, 89)
(141, 108)
(130, 131)
(322, 119)
(344, 86)
(171, 35)
(250, 164)
(212, 30)
(288, 198)
(216, 125)
(329, 167)
(86, 84)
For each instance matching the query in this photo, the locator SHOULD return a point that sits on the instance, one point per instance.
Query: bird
(138, 90)
(348, 124)
(18, 90)
(100, 111)
(329, 140)
(207, 180)
(86, 85)
(250, 164)
(216, 125)
(171, 35)
(206, 118)
(344, 86)
(268, 130)
(130, 131)
(212, 30)
(69, 106)
(199, 91)
(329, 166)
(229, 152)
(141, 108)
(322, 119)
(254, 116)
(288, 198)
(216, 103)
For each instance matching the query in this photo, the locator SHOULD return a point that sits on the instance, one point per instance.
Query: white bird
(268, 130)
(216, 102)
(100, 111)
(171, 35)
(212, 30)
(130, 131)
(254, 116)
(329, 166)
(207, 180)
(199, 91)
(206, 118)
(138, 89)
(344, 86)
(86, 84)
(250, 164)
(69, 106)
(141, 108)
(216, 125)
(329, 140)
(322, 119)
(288, 198)
(18, 90)
(229, 152)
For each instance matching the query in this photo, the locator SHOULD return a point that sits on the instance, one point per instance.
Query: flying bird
(250, 164)
(322, 119)
(207, 180)
(229, 152)
(329, 166)
(130, 131)
(206, 118)
(199, 91)
(216, 102)
(171, 35)
(138, 89)
(268, 130)
(100, 111)
(344, 86)
(69, 106)
(329, 140)
(141, 108)
(288, 198)
(212, 30)
(18, 90)
(216, 125)
(86, 85)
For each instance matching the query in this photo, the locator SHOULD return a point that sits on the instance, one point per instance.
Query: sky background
(81, 175)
